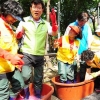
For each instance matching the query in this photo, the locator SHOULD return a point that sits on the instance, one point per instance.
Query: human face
(72, 35)
(36, 11)
(89, 61)
(81, 23)
(98, 33)
(10, 19)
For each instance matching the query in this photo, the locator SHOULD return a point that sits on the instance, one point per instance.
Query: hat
(17, 17)
(98, 28)
(76, 29)
(13, 8)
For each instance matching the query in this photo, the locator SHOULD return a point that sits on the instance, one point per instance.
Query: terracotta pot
(47, 91)
(74, 91)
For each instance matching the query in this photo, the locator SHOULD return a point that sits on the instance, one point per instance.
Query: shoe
(38, 93)
(24, 94)
(12, 98)
(19, 97)
(75, 81)
(26, 90)
(70, 81)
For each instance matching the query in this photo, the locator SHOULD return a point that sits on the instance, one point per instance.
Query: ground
(93, 96)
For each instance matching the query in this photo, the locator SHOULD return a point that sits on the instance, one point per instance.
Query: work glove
(14, 59)
(53, 20)
(20, 30)
(19, 35)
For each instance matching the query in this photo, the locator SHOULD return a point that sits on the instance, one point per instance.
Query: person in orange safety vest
(10, 62)
(68, 46)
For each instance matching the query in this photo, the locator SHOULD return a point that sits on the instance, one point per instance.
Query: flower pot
(73, 91)
(47, 91)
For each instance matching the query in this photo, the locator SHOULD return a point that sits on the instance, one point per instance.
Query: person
(85, 42)
(35, 30)
(95, 45)
(10, 61)
(68, 46)
(92, 60)
(81, 21)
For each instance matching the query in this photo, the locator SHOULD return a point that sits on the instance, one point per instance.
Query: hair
(37, 2)
(80, 33)
(83, 16)
(12, 7)
(87, 55)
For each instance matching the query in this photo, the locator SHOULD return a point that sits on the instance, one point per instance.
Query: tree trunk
(49, 64)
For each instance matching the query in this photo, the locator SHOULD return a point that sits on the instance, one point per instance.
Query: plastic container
(75, 91)
(47, 91)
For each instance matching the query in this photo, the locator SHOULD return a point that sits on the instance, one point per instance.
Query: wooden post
(49, 64)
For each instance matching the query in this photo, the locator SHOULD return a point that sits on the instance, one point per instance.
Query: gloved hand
(19, 67)
(53, 20)
(14, 59)
(19, 35)
(20, 30)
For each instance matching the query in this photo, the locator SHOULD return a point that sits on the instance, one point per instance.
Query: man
(35, 31)
(81, 21)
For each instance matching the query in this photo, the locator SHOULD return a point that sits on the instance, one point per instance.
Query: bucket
(73, 91)
(47, 91)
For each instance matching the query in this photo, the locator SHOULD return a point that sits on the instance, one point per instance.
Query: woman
(10, 61)
(68, 46)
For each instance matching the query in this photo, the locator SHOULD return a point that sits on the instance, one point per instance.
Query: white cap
(98, 28)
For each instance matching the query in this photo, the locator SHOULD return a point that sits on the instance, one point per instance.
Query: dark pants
(82, 73)
(37, 62)
(16, 84)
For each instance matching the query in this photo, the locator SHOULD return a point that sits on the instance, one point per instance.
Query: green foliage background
(68, 9)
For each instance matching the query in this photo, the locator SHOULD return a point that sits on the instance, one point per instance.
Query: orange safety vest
(64, 53)
(7, 42)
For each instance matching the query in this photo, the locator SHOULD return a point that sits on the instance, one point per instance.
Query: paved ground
(93, 96)
(53, 97)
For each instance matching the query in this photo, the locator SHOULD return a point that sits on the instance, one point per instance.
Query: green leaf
(45, 1)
